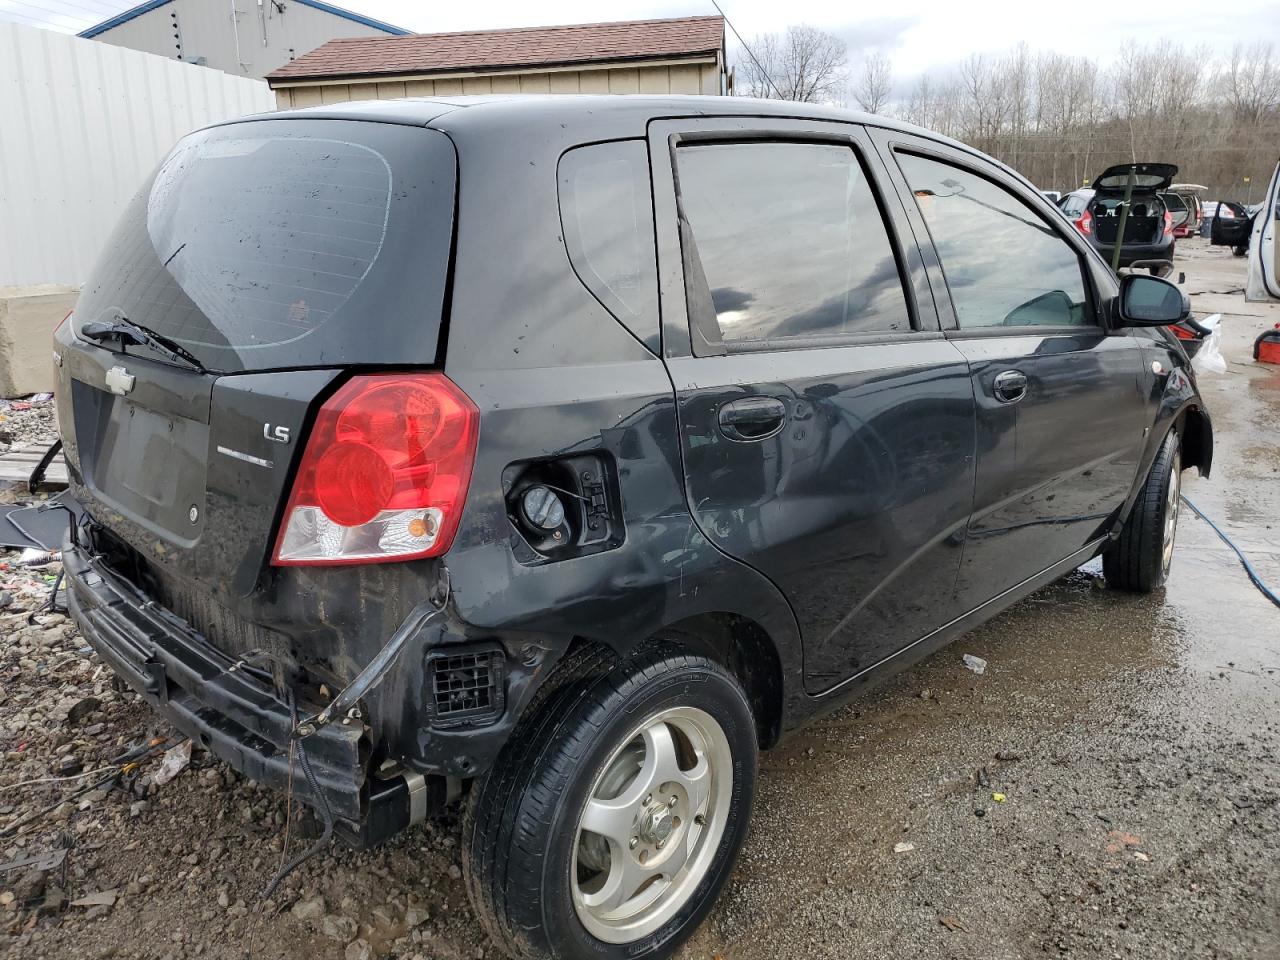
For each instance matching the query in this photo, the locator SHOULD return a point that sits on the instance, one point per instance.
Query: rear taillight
(1168, 223)
(1085, 223)
(1182, 333)
(384, 474)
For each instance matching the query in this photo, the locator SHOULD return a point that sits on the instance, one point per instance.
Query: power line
(100, 8)
(96, 12)
(764, 73)
(49, 15)
(11, 14)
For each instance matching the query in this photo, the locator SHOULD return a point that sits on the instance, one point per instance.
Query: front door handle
(752, 418)
(1010, 386)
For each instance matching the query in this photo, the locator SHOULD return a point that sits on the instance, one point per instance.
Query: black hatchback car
(1148, 227)
(562, 453)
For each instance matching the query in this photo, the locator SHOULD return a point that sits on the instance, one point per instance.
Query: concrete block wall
(28, 316)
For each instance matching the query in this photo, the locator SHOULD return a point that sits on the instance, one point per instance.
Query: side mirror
(1150, 302)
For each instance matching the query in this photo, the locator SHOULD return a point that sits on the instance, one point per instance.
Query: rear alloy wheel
(652, 824)
(615, 813)
(1139, 559)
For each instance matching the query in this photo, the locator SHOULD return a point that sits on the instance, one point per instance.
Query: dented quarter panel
(1171, 394)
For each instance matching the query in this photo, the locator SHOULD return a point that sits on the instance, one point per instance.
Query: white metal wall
(81, 126)
(252, 44)
(659, 78)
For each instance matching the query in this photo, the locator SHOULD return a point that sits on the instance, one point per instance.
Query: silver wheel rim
(652, 824)
(1171, 511)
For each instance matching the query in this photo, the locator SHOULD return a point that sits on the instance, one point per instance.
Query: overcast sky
(917, 34)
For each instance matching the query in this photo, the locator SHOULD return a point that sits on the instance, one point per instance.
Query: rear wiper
(126, 331)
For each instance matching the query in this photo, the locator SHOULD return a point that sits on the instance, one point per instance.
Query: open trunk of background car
(1145, 223)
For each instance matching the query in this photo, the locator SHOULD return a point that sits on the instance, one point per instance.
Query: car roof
(551, 123)
(590, 117)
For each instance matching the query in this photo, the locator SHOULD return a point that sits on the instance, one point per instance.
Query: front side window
(1004, 265)
(790, 240)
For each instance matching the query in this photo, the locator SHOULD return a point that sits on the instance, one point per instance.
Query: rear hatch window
(1147, 177)
(276, 244)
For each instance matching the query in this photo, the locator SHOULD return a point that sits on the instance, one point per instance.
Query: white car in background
(1264, 268)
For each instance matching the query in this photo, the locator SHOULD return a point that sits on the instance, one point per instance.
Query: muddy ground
(1135, 740)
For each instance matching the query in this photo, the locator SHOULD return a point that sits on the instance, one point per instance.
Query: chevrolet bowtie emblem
(119, 380)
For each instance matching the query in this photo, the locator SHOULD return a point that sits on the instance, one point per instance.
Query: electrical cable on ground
(124, 763)
(326, 815)
(1267, 591)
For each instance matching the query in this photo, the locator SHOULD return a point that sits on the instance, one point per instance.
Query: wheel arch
(736, 642)
(1195, 432)
(744, 648)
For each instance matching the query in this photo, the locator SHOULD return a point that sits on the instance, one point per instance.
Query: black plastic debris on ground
(41, 527)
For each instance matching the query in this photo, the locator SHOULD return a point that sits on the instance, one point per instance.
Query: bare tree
(1135, 80)
(871, 92)
(1252, 81)
(1061, 120)
(803, 64)
(934, 105)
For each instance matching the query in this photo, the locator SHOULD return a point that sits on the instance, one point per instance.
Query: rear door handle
(1010, 386)
(752, 418)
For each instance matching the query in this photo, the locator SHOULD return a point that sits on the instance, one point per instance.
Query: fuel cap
(542, 509)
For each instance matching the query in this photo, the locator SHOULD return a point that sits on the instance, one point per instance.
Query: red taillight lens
(384, 474)
(1168, 223)
(1085, 223)
(1182, 333)
(353, 483)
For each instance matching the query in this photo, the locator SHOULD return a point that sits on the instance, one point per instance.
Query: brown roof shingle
(485, 50)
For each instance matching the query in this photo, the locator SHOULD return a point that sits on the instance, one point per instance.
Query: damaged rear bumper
(233, 713)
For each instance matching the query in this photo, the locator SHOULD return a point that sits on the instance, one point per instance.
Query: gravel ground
(25, 421)
(1135, 742)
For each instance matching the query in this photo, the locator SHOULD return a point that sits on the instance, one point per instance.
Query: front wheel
(1139, 558)
(613, 817)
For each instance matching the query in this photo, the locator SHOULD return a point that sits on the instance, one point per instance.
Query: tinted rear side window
(287, 243)
(607, 212)
(791, 241)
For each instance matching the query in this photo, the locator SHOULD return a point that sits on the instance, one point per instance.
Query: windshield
(286, 243)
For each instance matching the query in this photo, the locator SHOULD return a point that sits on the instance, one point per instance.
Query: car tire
(1240, 250)
(1139, 558)
(660, 751)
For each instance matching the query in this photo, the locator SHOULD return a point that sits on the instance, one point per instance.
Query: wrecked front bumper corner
(233, 713)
